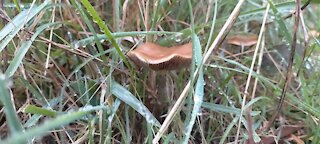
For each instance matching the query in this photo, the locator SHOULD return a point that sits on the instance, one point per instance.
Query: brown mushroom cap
(313, 33)
(161, 58)
(243, 39)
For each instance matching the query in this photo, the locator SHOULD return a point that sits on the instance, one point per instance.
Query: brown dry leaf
(286, 130)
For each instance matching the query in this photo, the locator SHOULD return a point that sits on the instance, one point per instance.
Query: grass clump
(65, 76)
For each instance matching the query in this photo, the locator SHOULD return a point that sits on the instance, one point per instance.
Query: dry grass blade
(220, 37)
(262, 30)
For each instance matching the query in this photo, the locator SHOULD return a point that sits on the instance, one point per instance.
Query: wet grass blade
(43, 129)
(126, 96)
(225, 109)
(106, 31)
(9, 110)
(199, 89)
(11, 29)
(90, 26)
(282, 25)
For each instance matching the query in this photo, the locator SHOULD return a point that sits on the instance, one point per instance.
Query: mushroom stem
(152, 83)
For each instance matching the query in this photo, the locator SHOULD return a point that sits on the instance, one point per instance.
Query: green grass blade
(17, 60)
(38, 110)
(114, 109)
(117, 15)
(192, 68)
(228, 130)
(169, 138)
(251, 102)
(244, 70)
(90, 26)
(225, 109)
(17, 5)
(10, 112)
(90, 40)
(126, 96)
(11, 29)
(199, 91)
(157, 15)
(35, 118)
(106, 31)
(77, 69)
(282, 25)
(32, 121)
(35, 93)
(50, 125)
(304, 105)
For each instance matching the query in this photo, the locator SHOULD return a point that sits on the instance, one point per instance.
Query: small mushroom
(161, 58)
(313, 33)
(157, 58)
(243, 39)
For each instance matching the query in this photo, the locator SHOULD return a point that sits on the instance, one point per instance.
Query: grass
(66, 78)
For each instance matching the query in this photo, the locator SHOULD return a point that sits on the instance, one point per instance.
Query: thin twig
(289, 68)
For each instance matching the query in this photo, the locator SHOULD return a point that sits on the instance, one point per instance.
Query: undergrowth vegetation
(66, 77)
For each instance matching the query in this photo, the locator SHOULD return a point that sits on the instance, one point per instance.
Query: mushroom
(243, 39)
(161, 58)
(158, 58)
